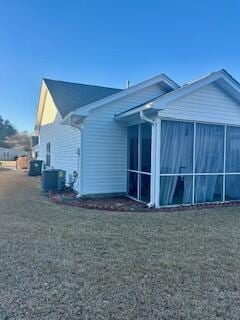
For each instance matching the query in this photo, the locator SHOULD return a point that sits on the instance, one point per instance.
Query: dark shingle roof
(69, 96)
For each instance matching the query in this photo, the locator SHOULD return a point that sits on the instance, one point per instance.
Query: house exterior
(156, 141)
(9, 154)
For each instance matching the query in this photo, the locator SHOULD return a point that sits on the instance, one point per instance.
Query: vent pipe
(127, 84)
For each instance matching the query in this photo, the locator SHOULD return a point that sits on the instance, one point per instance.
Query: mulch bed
(110, 204)
(124, 204)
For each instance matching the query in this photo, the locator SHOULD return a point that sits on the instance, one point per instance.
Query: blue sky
(108, 42)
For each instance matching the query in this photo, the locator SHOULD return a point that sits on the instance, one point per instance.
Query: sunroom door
(139, 161)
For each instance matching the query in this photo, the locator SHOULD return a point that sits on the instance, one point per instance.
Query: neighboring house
(34, 146)
(9, 154)
(156, 141)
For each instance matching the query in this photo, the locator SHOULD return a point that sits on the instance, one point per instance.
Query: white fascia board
(160, 103)
(84, 111)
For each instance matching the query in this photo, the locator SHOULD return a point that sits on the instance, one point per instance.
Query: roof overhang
(73, 120)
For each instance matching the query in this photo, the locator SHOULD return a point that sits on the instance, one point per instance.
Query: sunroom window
(209, 155)
(176, 162)
(232, 190)
(198, 163)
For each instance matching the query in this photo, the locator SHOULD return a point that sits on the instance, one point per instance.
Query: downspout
(80, 160)
(68, 120)
(153, 157)
(79, 157)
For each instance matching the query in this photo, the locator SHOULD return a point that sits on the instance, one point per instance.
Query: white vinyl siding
(209, 103)
(11, 153)
(105, 145)
(65, 141)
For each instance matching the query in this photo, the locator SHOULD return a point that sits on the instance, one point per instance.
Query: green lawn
(61, 262)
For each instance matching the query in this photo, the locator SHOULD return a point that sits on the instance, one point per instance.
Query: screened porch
(183, 162)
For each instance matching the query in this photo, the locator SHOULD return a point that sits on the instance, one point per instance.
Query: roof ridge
(82, 84)
(209, 74)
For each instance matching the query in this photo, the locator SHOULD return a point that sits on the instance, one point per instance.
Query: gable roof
(222, 78)
(71, 98)
(68, 96)
(163, 80)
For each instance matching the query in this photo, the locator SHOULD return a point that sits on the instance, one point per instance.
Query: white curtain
(209, 159)
(233, 150)
(233, 163)
(176, 157)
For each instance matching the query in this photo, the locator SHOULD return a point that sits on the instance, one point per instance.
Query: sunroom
(184, 149)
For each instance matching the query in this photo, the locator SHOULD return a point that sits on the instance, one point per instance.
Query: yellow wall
(49, 112)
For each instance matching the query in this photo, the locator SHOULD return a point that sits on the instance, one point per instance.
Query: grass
(60, 262)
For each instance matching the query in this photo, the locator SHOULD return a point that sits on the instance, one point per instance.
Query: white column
(194, 162)
(139, 163)
(224, 163)
(153, 163)
(157, 161)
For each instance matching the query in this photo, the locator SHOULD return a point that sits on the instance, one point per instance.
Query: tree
(20, 139)
(6, 130)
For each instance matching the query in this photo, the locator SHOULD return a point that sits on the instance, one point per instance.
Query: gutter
(145, 118)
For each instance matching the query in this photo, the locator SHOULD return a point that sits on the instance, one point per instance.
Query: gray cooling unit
(53, 179)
